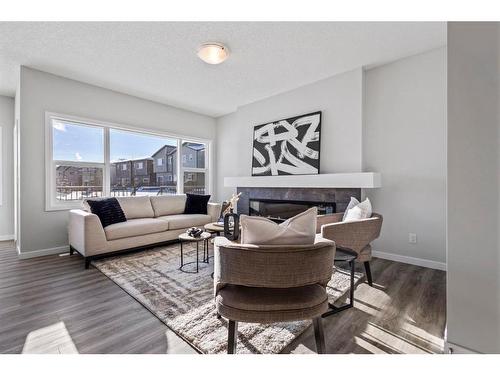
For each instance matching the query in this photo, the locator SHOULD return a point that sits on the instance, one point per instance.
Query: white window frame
(159, 162)
(124, 166)
(139, 165)
(51, 203)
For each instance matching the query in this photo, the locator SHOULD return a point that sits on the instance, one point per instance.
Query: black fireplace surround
(281, 203)
(279, 210)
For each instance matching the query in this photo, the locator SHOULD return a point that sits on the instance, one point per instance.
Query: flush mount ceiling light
(213, 53)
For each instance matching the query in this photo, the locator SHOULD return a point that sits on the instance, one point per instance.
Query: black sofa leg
(232, 337)
(368, 273)
(71, 250)
(87, 262)
(319, 335)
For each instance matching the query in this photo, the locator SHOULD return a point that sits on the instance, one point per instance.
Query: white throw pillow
(361, 211)
(298, 230)
(352, 203)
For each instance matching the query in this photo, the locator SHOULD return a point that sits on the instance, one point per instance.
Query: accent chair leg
(368, 273)
(71, 250)
(319, 335)
(232, 337)
(87, 263)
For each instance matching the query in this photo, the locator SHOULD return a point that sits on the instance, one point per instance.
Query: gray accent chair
(272, 283)
(355, 235)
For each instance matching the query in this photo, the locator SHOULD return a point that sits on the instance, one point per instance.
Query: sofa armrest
(213, 209)
(85, 232)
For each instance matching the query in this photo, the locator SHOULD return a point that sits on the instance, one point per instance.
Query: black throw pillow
(196, 204)
(108, 210)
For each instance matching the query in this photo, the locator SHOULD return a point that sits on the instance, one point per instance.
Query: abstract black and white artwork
(287, 147)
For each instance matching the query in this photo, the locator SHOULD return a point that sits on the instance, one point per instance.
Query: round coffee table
(214, 228)
(184, 237)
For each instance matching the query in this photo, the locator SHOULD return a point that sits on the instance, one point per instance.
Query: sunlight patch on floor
(368, 346)
(419, 334)
(374, 303)
(390, 340)
(53, 339)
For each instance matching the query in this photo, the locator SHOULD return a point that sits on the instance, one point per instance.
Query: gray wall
(338, 97)
(7, 203)
(42, 92)
(473, 295)
(404, 138)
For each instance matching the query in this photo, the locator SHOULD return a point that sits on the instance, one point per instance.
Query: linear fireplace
(279, 210)
(336, 198)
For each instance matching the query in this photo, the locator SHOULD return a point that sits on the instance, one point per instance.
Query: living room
(249, 187)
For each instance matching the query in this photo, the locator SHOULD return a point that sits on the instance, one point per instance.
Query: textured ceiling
(158, 61)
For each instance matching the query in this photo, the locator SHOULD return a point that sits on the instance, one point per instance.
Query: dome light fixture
(213, 53)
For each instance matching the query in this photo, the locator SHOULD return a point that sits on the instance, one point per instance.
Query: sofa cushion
(168, 204)
(185, 220)
(196, 204)
(135, 227)
(107, 210)
(298, 230)
(136, 207)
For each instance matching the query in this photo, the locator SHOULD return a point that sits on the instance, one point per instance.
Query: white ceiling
(158, 61)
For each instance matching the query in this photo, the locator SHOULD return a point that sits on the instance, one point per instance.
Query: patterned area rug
(185, 302)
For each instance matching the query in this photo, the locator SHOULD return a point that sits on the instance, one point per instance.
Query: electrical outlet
(412, 237)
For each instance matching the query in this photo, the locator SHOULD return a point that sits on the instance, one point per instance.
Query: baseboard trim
(410, 260)
(42, 252)
(6, 237)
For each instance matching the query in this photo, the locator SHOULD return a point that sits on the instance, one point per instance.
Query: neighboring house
(161, 168)
(133, 173)
(122, 174)
(193, 155)
(78, 176)
(165, 166)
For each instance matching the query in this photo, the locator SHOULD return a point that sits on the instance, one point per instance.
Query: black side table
(344, 254)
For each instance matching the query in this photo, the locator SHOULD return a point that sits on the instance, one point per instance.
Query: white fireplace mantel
(365, 180)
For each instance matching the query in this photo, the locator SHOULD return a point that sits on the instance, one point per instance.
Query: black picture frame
(263, 151)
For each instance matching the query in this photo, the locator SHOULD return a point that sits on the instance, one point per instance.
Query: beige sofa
(150, 220)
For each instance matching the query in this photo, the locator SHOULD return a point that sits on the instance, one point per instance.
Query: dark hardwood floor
(52, 304)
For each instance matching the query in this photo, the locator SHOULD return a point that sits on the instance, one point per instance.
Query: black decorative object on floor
(108, 210)
(196, 204)
(232, 226)
(287, 147)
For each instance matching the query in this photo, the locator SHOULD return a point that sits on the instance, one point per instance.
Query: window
(86, 158)
(125, 144)
(76, 169)
(193, 164)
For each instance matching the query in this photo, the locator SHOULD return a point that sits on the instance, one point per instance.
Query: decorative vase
(233, 220)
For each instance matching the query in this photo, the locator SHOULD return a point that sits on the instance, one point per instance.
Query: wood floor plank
(404, 312)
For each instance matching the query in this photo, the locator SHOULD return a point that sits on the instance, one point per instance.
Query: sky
(84, 143)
